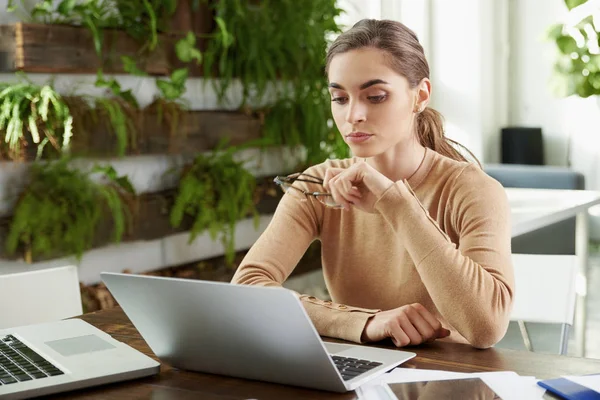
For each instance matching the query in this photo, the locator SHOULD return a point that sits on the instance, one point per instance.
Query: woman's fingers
(424, 328)
(342, 189)
(337, 189)
(431, 320)
(398, 336)
(410, 330)
(329, 174)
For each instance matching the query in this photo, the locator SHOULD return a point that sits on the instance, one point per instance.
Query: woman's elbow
(250, 275)
(487, 333)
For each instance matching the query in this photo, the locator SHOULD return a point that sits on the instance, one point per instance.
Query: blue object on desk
(569, 389)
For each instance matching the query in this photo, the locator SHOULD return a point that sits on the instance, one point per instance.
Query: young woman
(415, 239)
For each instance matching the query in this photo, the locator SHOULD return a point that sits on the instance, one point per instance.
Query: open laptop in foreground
(55, 357)
(260, 333)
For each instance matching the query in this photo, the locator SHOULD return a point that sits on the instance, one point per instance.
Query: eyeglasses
(286, 183)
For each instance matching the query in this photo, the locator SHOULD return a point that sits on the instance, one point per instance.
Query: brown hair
(407, 58)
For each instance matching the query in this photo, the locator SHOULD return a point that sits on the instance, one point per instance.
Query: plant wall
(274, 48)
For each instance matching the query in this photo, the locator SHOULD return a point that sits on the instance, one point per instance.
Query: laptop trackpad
(79, 345)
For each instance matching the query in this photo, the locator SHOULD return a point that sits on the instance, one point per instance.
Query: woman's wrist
(378, 184)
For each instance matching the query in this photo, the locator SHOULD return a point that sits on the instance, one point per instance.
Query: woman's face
(372, 105)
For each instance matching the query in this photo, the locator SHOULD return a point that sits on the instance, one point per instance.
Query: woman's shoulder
(463, 175)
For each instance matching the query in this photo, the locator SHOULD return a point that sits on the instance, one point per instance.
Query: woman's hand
(407, 325)
(359, 186)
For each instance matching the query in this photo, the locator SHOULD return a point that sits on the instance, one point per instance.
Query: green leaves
(571, 4)
(115, 88)
(121, 124)
(223, 35)
(153, 25)
(216, 191)
(66, 7)
(175, 87)
(566, 44)
(33, 113)
(60, 209)
(130, 66)
(577, 67)
(186, 49)
(10, 6)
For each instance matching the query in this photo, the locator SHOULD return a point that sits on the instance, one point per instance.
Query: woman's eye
(377, 99)
(340, 100)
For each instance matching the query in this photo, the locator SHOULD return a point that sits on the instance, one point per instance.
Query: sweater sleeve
(471, 284)
(273, 257)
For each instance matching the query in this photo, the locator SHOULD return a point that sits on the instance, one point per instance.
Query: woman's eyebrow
(362, 87)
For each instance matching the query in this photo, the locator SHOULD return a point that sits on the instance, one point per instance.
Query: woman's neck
(399, 162)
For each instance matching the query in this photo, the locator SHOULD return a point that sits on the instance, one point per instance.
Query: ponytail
(430, 131)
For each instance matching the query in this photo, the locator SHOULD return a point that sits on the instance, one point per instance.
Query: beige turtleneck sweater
(441, 239)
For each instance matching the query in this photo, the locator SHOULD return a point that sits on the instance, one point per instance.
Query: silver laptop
(54, 357)
(260, 333)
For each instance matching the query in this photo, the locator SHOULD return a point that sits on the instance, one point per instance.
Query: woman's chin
(362, 151)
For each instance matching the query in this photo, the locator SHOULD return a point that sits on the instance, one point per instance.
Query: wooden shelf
(197, 131)
(45, 48)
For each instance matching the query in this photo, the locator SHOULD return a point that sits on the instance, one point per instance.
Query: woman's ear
(423, 94)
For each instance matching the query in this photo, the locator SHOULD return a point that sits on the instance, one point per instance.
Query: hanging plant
(96, 119)
(215, 191)
(59, 210)
(32, 115)
(280, 67)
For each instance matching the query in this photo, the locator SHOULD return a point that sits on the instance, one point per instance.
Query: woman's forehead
(353, 68)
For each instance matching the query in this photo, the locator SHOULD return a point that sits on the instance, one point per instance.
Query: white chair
(31, 295)
(545, 292)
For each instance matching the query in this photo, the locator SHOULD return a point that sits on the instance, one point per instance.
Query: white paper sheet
(507, 384)
(589, 381)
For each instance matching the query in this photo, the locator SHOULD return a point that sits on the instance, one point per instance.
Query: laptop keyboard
(18, 363)
(352, 367)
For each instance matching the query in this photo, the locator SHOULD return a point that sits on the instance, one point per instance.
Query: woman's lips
(358, 137)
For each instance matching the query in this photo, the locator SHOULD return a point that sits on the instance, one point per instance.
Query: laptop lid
(260, 333)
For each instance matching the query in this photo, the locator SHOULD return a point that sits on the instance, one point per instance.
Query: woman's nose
(357, 112)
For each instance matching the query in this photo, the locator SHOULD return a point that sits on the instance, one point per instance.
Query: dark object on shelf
(522, 146)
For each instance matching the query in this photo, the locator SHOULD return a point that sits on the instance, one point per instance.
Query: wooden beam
(196, 131)
(45, 48)
(8, 48)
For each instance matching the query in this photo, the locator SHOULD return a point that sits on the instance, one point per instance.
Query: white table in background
(532, 209)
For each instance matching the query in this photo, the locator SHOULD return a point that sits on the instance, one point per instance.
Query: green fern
(59, 210)
(120, 114)
(292, 57)
(216, 192)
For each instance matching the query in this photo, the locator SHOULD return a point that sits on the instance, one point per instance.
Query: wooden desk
(176, 384)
